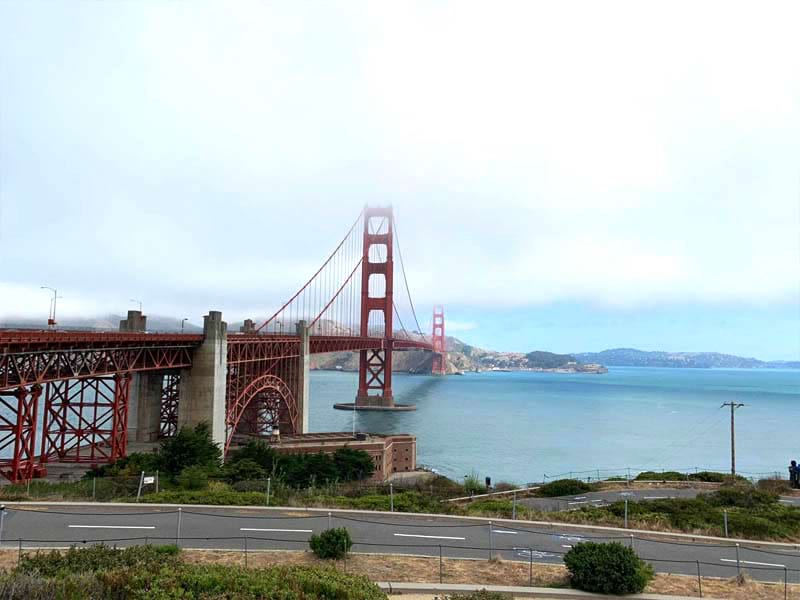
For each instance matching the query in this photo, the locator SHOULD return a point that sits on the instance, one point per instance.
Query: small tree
(259, 452)
(331, 543)
(607, 568)
(190, 447)
(193, 478)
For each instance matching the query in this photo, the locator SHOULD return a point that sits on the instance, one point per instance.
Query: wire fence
(731, 563)
(631, 473)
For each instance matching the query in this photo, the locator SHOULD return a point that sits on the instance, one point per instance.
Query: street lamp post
(139, 302)
(51, 315)
(182, 322)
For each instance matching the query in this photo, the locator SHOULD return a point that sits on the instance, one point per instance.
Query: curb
(484, 520)
(524, 592)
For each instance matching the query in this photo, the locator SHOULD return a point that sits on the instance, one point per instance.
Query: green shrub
(129, 466)
(503, 508)
(190, 447)
(661, 476)
(331, 543)
(193, 478)
(259, 452)
(96, 558)
(709, 476)
(245, 469)
(353, 465)
(213, 497)
(564, 487)
(607, 568)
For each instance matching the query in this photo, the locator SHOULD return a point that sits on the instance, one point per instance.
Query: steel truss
(86, 420)
(170, 396)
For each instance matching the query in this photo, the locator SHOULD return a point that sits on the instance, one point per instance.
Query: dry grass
(480, 572)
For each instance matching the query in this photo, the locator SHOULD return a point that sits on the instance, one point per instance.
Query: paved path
(227, 527)
(605, 498)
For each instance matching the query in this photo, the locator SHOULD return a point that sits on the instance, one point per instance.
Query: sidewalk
(424, 591)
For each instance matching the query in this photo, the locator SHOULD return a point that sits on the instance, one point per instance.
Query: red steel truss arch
(268, 393)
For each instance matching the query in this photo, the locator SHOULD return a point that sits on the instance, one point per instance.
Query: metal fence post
(94, 488)
(514, 508)
(2, 521)
(699, 580)
(178, 529)
(626, 513)
(269, 485)
(725, 521)
(391, 497)
(330, 520)
(738, 563)
(344, 544)
(491, 541)
(631, 541)
(530, 567)
(19, 552)
(245, 552)
(785, 583)
(440, 563)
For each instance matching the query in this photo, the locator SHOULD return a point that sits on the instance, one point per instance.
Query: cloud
(196, 158)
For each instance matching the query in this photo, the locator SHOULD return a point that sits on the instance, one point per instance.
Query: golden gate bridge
(66, 396)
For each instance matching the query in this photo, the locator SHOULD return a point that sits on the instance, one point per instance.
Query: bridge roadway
(63, 524)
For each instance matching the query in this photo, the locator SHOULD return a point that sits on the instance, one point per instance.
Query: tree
(353, 465)
(190, 447)
(259, 452)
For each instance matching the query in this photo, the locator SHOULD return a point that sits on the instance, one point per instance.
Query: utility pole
(734, 406)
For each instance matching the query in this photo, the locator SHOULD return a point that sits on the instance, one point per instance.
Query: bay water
(523, 426)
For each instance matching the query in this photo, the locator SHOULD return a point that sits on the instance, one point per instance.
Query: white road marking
(584, 502)
(656, 497)
(504, 531)
(579, 498)
(748, 562)
(111, 526)
(566, 545)
(430, 537)
(279, 530)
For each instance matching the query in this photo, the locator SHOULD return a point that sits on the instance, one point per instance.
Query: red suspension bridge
(70, 396)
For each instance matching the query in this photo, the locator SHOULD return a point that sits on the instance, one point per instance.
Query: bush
(353, 465)
(775, 486)
(213, 497)
(259, 452)
(331, 543)
(662, 476)
(131, 465)
(245, 469)
(188, 448)
(193, 478)
(502, 508)
(564, 487)
(607, 568)
(96, 558)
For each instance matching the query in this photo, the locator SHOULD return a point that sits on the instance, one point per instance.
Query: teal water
(520, 426)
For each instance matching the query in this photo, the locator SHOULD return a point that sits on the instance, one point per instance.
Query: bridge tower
(377, 283)
(439, 344)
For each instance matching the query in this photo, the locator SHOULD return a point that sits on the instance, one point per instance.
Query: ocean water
(521, 427)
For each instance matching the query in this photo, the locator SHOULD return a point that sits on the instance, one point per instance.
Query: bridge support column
(145, 418)
(303, 376)
(203, 386)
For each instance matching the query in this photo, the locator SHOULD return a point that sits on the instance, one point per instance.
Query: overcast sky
(565, 175)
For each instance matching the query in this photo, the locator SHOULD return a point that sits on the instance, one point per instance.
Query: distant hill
(631, 357)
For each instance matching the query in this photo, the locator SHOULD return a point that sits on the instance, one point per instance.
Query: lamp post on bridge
(183, 320)
(51, 315)
(139, 302)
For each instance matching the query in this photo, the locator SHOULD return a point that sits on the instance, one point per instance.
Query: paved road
(60, 525)
(605, 498)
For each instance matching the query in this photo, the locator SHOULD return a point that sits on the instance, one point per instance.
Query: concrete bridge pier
(144, 401)
(203, 386)
(303, 375)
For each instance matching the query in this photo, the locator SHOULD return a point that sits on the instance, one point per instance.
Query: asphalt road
(609, 497)
(62, 525)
